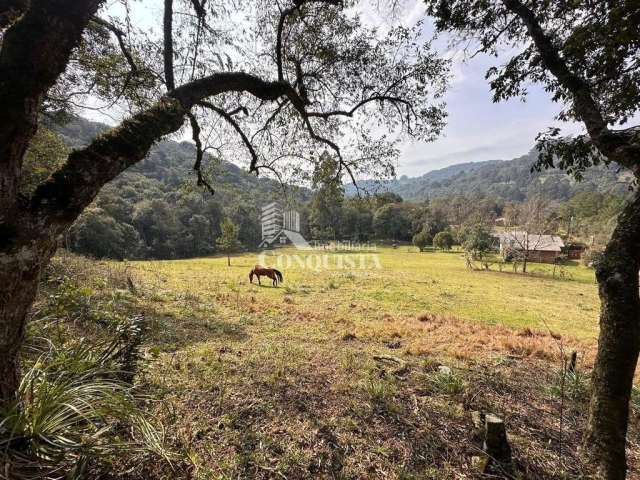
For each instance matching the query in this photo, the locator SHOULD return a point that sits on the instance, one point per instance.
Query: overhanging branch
(349, 113)
(61, 199)
(197, 166)
(228, 116)
(615, 145)
(584, 103)
(58, 201)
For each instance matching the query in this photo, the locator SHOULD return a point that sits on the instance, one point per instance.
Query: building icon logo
(281, 227)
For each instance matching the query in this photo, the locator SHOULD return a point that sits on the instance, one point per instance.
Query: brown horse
(272, 273)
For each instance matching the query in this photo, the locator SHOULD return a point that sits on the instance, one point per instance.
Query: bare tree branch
(275, 113)
(229, 118)
(191, 93)
(197, 166)
(349, 113)
(168, 45)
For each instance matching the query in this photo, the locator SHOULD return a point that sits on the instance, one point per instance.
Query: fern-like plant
(72, 406)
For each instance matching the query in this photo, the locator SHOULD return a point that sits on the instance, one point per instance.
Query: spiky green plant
(72, 406)
(447, 382)
(574, 385)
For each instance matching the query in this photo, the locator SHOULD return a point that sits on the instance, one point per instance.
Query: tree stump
(496, 446)
(497, 459)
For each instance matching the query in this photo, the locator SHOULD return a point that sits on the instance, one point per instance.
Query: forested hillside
(509, 180)
(153, 210)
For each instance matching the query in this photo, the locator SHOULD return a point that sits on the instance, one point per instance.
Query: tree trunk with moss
(618, 345)
(35, 51)
(18, 283)
(30, 228)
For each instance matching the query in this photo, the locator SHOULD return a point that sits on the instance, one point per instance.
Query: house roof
(295, 238)
(520, 240)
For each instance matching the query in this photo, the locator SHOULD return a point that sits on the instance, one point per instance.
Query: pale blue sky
(477, 129)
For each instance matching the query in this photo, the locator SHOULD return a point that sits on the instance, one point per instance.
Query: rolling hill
(510, 180)
(154, 210)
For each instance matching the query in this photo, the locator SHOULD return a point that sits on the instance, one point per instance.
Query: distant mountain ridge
(507, 179)
(170, 164)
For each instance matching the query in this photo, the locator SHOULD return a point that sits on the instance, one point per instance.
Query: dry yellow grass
(333, 374)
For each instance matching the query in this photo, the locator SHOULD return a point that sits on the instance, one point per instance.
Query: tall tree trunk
(618, 346)
(19, 275)
(228, 261)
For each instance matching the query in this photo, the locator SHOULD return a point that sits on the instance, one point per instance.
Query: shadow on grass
(172, 331)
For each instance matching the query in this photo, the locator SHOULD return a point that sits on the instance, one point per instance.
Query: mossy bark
(19, 275)
(29, 237)
(618, 346)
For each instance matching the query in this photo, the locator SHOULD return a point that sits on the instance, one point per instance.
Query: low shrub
(73, 409)
(77, 409)
(575, 385)
(447, 382)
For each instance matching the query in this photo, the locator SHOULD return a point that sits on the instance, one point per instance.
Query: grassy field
(337, 373)
(401, 282)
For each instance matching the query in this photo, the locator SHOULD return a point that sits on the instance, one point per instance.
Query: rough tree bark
(619, 341)
(35, 51)
(618, 345)
(19, 275)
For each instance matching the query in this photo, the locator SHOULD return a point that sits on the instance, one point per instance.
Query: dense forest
(510, 180)
(154, 210)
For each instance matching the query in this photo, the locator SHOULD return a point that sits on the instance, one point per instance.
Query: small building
(533, 247)
(280, 227)
(574, 251)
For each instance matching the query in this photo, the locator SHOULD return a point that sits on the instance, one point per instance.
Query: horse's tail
(278, 274)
